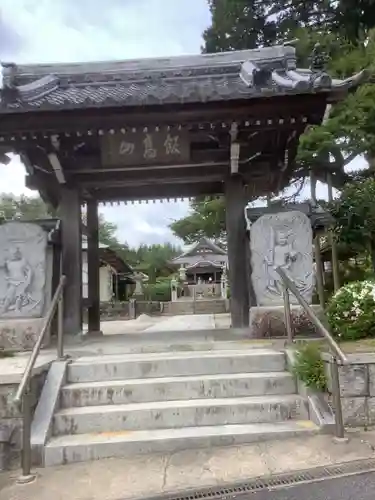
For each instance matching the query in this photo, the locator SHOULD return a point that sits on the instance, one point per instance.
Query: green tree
(154, 260)
(343, 28)
(23, 208)
(354, 212)
(248, 24)
(206, 218)
(239, 24)
(350, 128)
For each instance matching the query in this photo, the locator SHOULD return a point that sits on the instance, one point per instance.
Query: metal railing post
(336, 395)
(23, 396)
(60, 328)
(287, 314)
(289, 284)
(26, 476)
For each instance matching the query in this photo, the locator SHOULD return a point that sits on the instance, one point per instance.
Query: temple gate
(216, 124)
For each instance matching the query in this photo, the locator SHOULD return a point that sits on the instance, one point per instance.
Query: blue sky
(39, 31)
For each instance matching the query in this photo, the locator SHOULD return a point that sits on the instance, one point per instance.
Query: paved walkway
(145, 323)
(156, 474)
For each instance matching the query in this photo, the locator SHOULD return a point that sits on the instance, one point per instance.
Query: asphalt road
(358, 487)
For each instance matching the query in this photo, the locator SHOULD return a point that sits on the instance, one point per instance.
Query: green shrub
(158, 291)
(350, 311)
(309, 367)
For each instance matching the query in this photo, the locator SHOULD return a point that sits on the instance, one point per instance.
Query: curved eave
(204, 264)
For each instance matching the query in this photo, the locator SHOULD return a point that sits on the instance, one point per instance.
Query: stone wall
(357, 386)
(120, 310)
(11, 419)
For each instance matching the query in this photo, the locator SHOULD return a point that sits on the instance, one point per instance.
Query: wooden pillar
(93, 264)
(332, 240)
(71, 256)
(237, 241)
(319, 271)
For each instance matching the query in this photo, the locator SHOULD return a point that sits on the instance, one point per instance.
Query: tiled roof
(187, 79)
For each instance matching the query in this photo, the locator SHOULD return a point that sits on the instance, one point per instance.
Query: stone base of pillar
(91, 334)
(269, 321)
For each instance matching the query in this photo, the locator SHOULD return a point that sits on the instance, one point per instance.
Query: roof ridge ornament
(8, 89)
(319, 77)
(9, 71)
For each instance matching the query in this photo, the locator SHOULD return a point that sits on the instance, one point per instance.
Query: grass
(352, 346)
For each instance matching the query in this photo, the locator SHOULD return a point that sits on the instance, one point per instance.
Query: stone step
(151, 365)
(84, 447)
(200, 306)
(174, 414)
(173, 388)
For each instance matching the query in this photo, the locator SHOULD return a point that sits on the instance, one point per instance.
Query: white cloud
(40, 31)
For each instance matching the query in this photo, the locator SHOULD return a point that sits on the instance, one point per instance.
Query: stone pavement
(148, 475)
(145, 323)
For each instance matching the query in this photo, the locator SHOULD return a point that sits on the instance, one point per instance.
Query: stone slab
(23, 270)
(20, 334)
(49, 400)
(82, 447)
(371, 375)
(151, 365)
(11, 369)
(353, 380)
(284, 240)
(269, 321)
(176, 388)
(354, 411)
(178, 414)
(183, 470)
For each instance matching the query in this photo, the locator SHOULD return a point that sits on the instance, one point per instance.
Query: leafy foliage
(351, 311)
(23, 208)
(309, 367)
(160, 291)
(354, 212)
(207, 218)
(154, 260)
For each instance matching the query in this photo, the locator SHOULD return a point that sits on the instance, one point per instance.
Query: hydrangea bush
(351, 311)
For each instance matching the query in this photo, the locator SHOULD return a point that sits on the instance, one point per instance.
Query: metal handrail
(311, 314)
(36, 349)
(335, 348)
(23, 394)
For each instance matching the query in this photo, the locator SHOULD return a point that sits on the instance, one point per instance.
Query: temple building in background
(203, 262)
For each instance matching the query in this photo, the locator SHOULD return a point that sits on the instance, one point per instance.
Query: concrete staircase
(122, 405)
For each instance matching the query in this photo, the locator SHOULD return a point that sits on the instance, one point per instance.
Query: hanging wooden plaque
(162, 146)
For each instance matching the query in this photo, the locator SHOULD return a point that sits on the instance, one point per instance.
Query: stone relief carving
(23, 255)
(283, 239)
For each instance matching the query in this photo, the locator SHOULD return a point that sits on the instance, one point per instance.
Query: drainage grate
(276, 481)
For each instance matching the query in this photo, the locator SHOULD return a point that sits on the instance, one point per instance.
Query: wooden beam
(90, 163)
(136, 180)
(93, 268)
(71, 241)
(237, 252)
(58, 119)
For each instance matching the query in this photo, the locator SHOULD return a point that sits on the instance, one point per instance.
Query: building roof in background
(202, 251)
